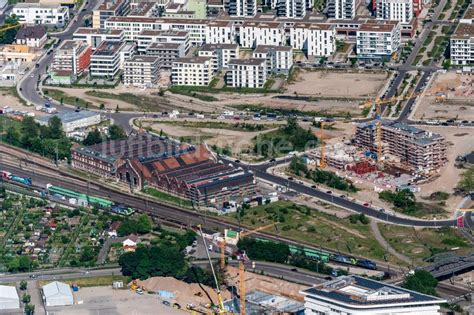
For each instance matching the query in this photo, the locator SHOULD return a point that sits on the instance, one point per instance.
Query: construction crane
(378, 130)
(466, 209)
(393, 99)
(242, 288)
(3, 29)
(322, 163)
(218, 290)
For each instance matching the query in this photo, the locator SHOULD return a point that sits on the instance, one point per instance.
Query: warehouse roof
(69, 116)
(57, 288)
(8, 293)
(358, 291)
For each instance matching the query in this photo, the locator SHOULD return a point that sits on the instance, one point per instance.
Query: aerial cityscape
(237, 157)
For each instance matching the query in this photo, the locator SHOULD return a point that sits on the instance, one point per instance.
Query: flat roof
(262, 24)
(35, 31)
(197, 60)
(219, 23)
(156, 45)
(37, 5)
(70, 44)
(142, 9)
(359, 291)
(164, 33)
(98, 31)
(212, 47)
(109, 5)
(108, 48)
(133, 19)
(247, 62)
(463, 31)
(313, 26)
(140, 58)
(266, 48)
(69, 116)
(378, 26)
(8, 293)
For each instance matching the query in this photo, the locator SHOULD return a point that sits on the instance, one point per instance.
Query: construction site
(449, 96)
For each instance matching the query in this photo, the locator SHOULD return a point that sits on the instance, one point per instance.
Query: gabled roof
(57, 288)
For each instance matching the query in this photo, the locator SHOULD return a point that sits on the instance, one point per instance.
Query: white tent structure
(57, 294)
(8, 298)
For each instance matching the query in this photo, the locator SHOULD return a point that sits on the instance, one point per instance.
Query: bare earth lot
(460, 142)
(459, 89)
(105, 300)
(338, 84)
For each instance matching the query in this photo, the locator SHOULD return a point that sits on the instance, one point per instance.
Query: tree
(93, 137)
(143, 224)
(29, 309)
(117, 133)
(8, 36)
(268, 251)
(55, 128)
(26, 298)
(23, 285)
(101, 106)
(13, 136)
(87, 254)
(421, 281)
(447, 64)
(467, 180)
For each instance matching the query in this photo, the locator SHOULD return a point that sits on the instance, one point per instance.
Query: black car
(237, 161)
(272, 160)
(294, 269)
(166, 303)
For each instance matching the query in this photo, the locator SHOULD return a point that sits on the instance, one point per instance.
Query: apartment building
(290, 8)
(35, 13)
(220, 54)
(142, 71)
(95, 36)
(462, 40)
(253, 33)
(72, 57)
(248, 73)
(378, 40)
(279, 59)
(314, 39)
(133, 26)
(107, 9)
(359, 295)
(32, 36)
(145, 9)
(107, 59)
(220, 32)
(241, 7)
(145, 38)
(419, 150)
(192, 71)
(166, 53)
(395, 10)
(341, 9)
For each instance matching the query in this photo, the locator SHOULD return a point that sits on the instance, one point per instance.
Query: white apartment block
(133, 26)
(35, 13)
(220, 54)
(192, 71)
(166, 53)
(145, 38)
(378, 39)
(462, 40)
(107, 59)
(220, 32)
(95, 36)
(240, 7)
(279, 58)
(290, 8)
(253, 34)
(314, 39)
(249, 73)
(395, 10)
(141, 71)
(360, 296)
(341, 9)
(107, 9)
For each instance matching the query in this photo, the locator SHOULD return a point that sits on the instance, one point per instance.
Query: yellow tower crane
(242, 288)
(378, 130)
(466, 209)
(2, 29)
(322, 163)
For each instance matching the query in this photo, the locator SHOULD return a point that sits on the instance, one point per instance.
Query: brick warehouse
(187, 171)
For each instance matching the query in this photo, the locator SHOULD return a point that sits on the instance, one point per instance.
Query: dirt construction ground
(459, 90)
(460, 142)
(105, 300)
(338, 84)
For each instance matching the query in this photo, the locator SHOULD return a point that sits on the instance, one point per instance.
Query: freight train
(17, 179)
(321, 255)
(87, 200)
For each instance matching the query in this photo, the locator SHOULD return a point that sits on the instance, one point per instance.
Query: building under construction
(417, 149)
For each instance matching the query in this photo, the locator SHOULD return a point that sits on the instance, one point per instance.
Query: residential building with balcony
(279, 58)
(35, 13)
(247, 73)
(141, 71)
(220, 54)
(192, 71)
(378, 40)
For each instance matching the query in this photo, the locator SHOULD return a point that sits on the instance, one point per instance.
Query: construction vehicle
(220, 309)
(440, 97)
(134, 286)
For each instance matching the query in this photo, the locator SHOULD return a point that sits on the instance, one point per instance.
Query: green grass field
(65, 98)
(93, 281)
(167, 197)
(142, 102)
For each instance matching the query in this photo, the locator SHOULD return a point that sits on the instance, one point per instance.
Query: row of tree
(95, 136)
(298, 167)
